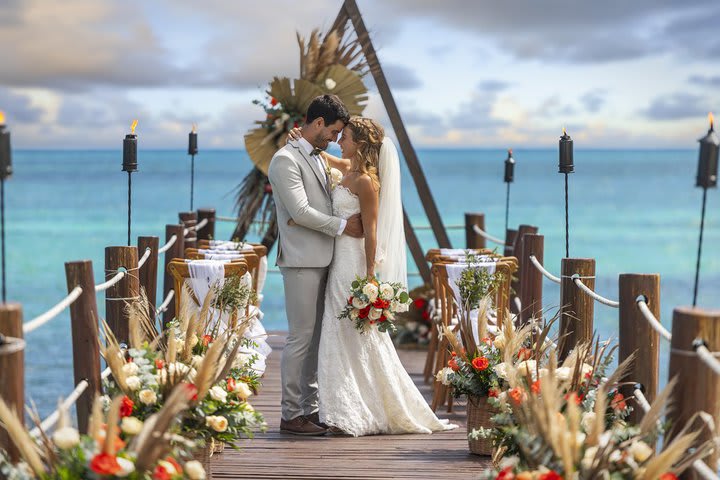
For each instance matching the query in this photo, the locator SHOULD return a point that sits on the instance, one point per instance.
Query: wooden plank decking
(276, 455)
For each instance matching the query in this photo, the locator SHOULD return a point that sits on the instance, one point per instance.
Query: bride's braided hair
(368, 135)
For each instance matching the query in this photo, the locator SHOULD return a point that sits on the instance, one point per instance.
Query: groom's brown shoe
(301, 426)
(315, 418)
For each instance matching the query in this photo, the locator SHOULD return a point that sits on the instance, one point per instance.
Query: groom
(307, 228)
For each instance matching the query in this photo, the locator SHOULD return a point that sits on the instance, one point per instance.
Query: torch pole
(192, 180)
(129, 206)
(697, 265)
(507, 206)
(2, 234)
(567, 223)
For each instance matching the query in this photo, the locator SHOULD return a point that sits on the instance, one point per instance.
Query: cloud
(19, 107)
(676, 106)
(400, 77)
(593, 100)
(705, 80)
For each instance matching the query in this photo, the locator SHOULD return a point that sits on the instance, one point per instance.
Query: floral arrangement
(115, 447)
(413, 326)
(373, 302)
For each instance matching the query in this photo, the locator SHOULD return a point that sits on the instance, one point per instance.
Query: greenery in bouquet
(476, 282)
(375, 303)
(114, 447)
(233, 294)
(414, 326)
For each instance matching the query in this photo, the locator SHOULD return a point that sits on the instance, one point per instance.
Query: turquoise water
(633, 211)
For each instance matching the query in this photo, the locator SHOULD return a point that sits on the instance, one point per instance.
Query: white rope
(105, 373)
(163, 306)
(588, 291)
(104, 286)
(518, 304)
(196, 227)
(52, 419)
(167, 246)
(11, 345)
(145, 256)
(641, 400)
(654, 322)
(707, 357)
(542, 269)
(53, 312)
(482, 233)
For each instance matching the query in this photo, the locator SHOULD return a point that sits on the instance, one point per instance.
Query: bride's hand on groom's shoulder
(294, 134)
(354, 226)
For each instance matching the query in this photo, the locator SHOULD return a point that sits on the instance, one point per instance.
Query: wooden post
(415, 249)
(638, 337)
(517, 253)
(510, 235)
(698, 387)
(576, 320)
(531, 280)
(176, 251)
(208, 231)
(472, 239)
(126, 290)
(148, 271)
(84, 328)
(189, 219)
(12, 372)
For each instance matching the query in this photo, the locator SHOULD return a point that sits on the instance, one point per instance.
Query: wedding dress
(363, 387)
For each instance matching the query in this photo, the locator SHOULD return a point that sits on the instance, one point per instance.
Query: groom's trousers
(304, 304)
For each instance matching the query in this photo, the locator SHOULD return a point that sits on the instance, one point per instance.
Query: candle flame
(194, 128)
(564, 132)
(2, 117)
(711, 119)
(509, 151)
(132, 127)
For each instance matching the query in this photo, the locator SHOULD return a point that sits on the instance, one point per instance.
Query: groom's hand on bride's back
(354, 227)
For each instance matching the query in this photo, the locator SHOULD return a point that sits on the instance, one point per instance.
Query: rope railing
(145, 256)
(167, 245)
(486, 235)
(164, 305)
(52, 419)
(707, 357)
(196, 227)
(595, 296)
(41, 320)
(654, 322)
(542, 270)
(104, 286)
(518, 304)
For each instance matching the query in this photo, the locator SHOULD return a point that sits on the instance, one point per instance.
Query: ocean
(633, 211)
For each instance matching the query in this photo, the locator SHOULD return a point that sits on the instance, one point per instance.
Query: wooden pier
(278, 455)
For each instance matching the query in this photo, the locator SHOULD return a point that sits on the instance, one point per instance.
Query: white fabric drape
(391, 255)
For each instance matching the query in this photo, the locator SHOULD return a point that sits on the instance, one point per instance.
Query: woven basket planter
(203, 455)
(218, 446)
(479, 412)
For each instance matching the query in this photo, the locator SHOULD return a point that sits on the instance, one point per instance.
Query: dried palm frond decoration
(329, 64)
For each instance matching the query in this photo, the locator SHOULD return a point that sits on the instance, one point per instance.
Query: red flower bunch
(105, 464)
(126, 407)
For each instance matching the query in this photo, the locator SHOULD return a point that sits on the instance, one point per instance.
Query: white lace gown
(363, 387)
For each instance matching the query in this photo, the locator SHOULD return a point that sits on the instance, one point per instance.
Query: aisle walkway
(275, 455)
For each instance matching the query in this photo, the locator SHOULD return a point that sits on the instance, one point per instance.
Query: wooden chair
(259, 249)
(252, 260)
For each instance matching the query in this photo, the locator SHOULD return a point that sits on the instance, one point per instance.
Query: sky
(464, 73)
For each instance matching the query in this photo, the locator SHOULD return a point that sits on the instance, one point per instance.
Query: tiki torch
(130, 165)
(192, 151)
(566, 167)
(707, 174)
(5, 172)
(509, 177)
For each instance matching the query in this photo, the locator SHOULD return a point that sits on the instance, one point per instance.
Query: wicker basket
(203, 455)
(479, 413)
(218, 446)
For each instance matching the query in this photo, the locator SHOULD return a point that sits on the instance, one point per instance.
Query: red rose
(207, 339)
(453, 365)
(161, 473)
(295, 125)
(382, 318)
(175, 464)
(105, 464)
(381, 304)
(192, 391)
(480, 363)
(273, 101)
(350, 300)
(230, 384)
(505, 474)
(493, 393)
(363, 313)
(126, 407)
(425, 315)
(420, 303)
(668, 476)
(159, 364)
(551, 475)
(453, 354)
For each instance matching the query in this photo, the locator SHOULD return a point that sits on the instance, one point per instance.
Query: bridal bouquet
(373, 302)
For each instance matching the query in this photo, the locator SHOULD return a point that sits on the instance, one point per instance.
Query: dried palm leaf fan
(332, 64)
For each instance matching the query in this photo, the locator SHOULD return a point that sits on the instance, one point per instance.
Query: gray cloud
(401, 77)
(709, 81)
(676, 106)
(593, 100)
(18, 107)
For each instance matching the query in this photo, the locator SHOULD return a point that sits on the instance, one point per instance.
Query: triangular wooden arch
(350, 12)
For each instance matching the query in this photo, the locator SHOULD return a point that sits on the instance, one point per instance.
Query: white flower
(216, 422)
(615, 456)
(371, 291)
(194, 340)
(131, 425)
(179, 343)
(563, 373)
(330, 83)
(148, 397)
(386, 291)
(442, 376)
(499, 342)
(218, 394)
(588, 458)
(423, 329)
(640, 450)
(585, 369)
(527, 367)
(358, 303)
(402, 307)
(66, 438)
(587, 422)
(375, 313)
(133, 383)
(354, 314)
(501, 370)
(243, 390)
(126, 467)
(542, 373)
(196, 360)
(195, 470)
(285, 117)
(509, 462)
(336, 176)
(130, 368)
(169, 467)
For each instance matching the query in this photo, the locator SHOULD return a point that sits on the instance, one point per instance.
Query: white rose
(285, 117)
(131, 425)
(194, 340)
(585, 369)
(354, 314)
(66, 438)
(148, 397)
(248, 407)
(130, 368)
(499, 342)
(563, 373)
(358, 303)
(588, 458)
(588, 420)
(196, 360)
(501, 370)
(442, 376)
(375, 313)
(195, 470)
(336, 176)
(527, 367)
(218, 394)
(371, 291)
(402, 307)
(179, 344)
(126, 467)
(243, 390)
(387, 292)
(330, 83)
(133, 383)
(217, 422)
(640, 451)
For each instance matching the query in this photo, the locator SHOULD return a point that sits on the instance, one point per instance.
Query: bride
(363, 387)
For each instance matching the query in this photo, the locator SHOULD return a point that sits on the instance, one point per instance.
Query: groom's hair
(329, 107)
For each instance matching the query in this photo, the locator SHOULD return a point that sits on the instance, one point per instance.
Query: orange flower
(505, 474)
(574, 397)
(273, 101)
(105, 464)
(524, 353)
(161, 473)
(535, 387)
(480, 363)
(453, 354)
(207, 339)
(668, 476)
(230, 384)
(486, 341)
(159, 364)
(618, 402)
(517, 395)
(493, 393)
(453, 364)
(551, 475)
(126, 407)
